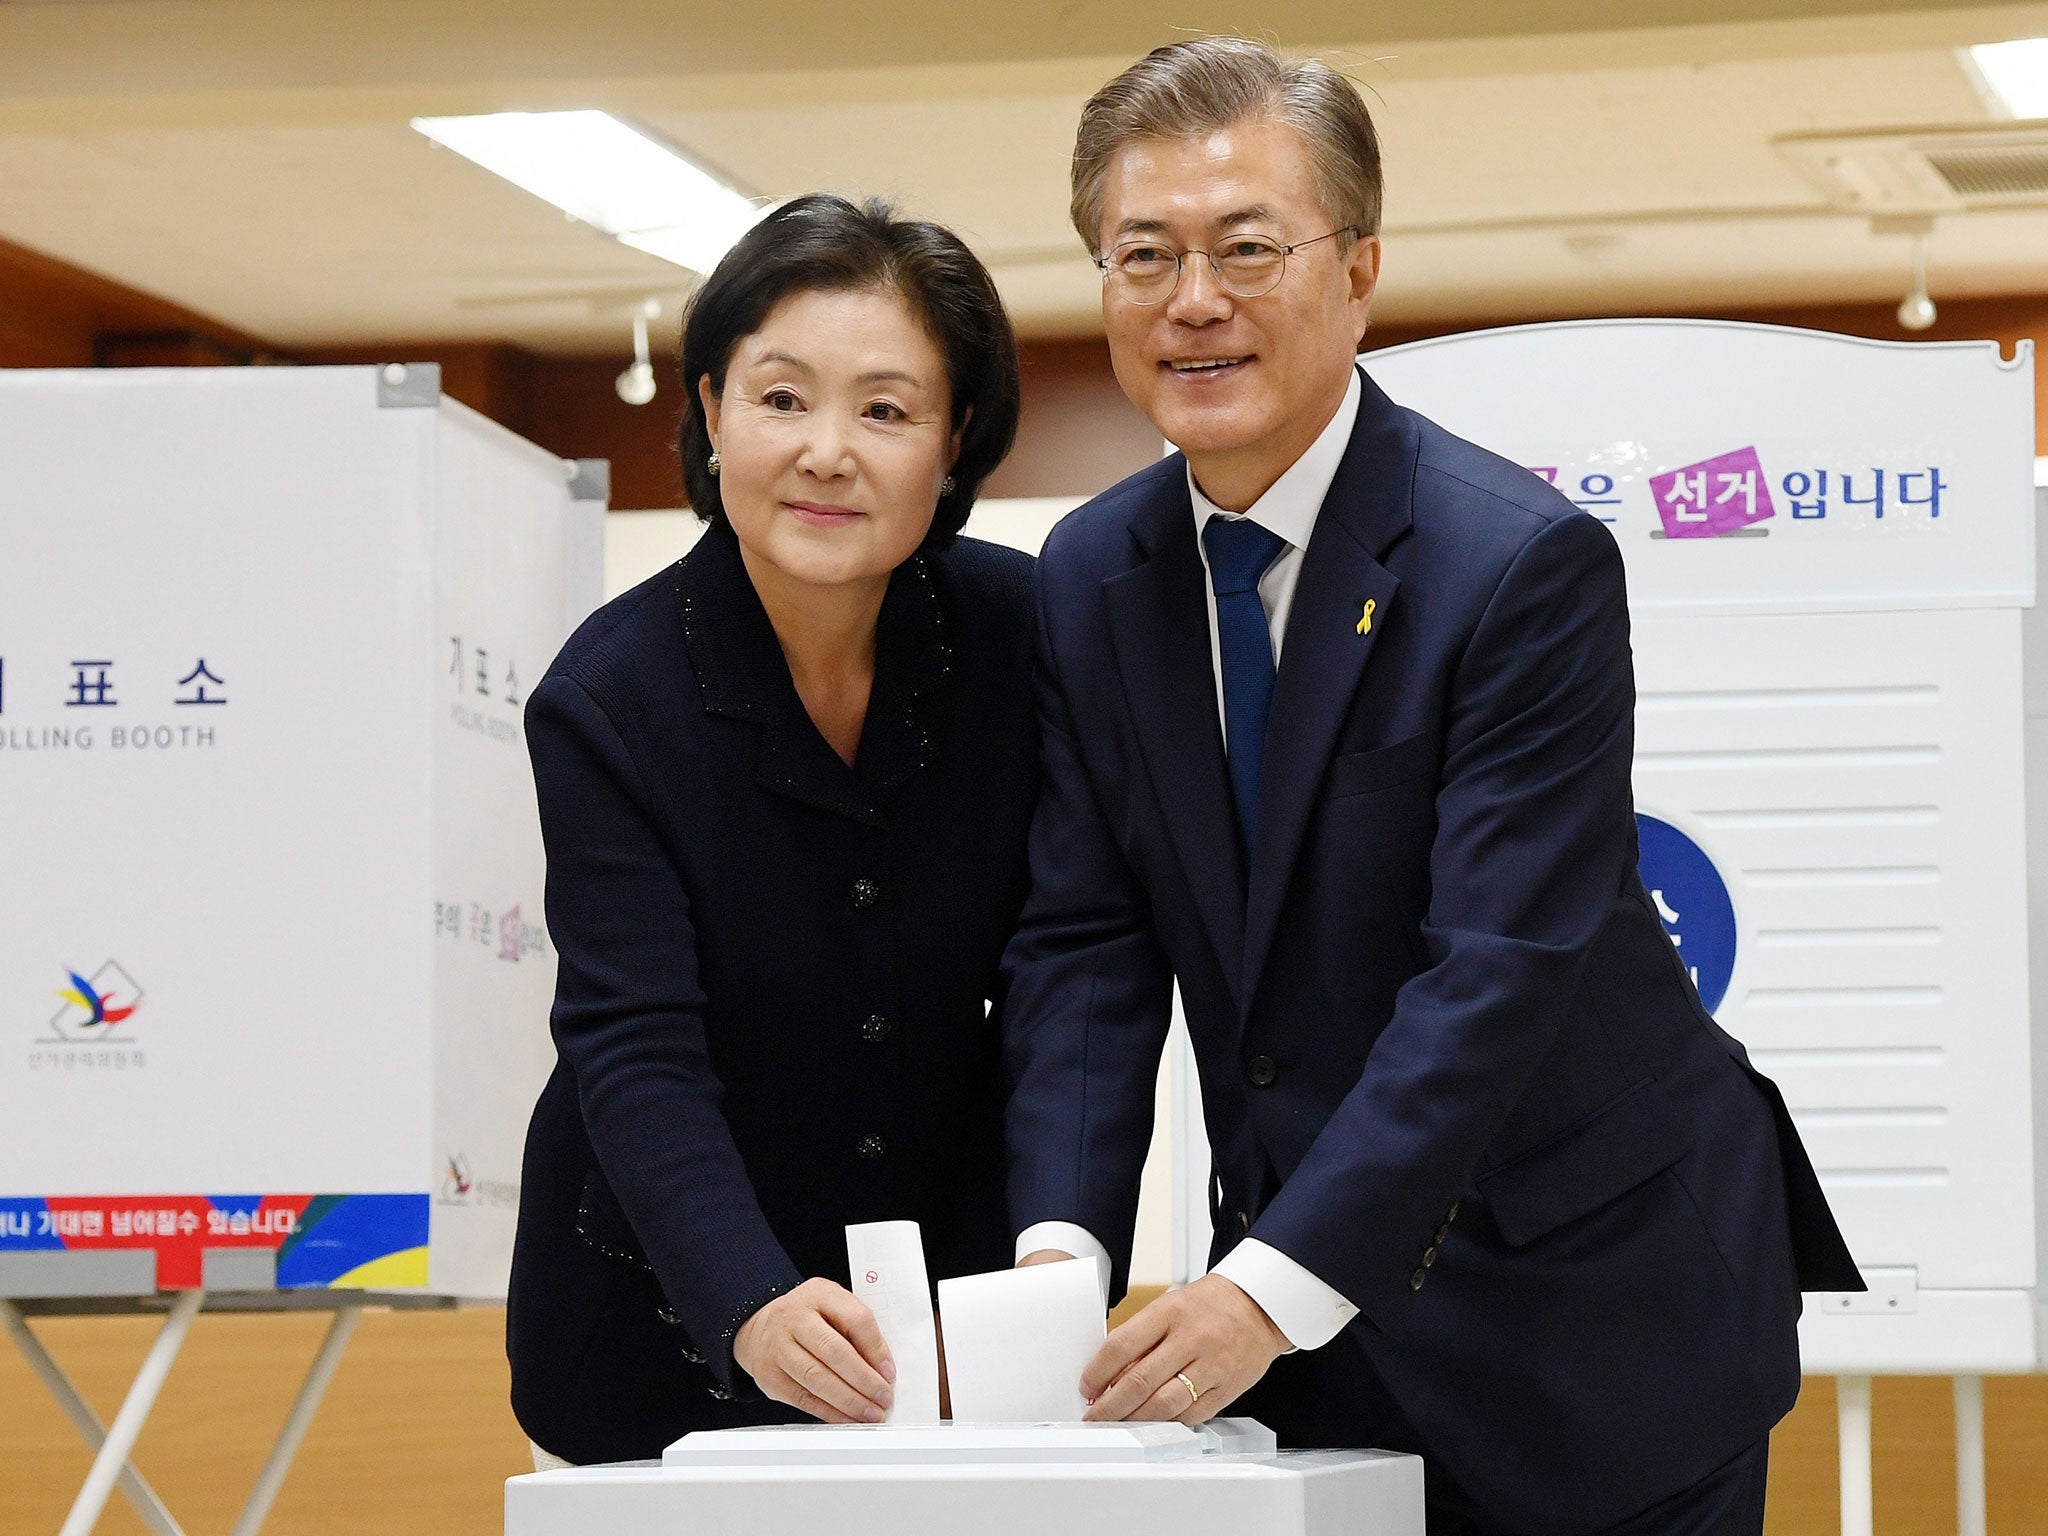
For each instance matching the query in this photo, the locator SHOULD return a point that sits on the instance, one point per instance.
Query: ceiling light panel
(613, 177)
(2015, 74)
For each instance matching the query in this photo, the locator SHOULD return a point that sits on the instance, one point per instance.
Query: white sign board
(1747, 468)
(274, 980)
(1828, 542)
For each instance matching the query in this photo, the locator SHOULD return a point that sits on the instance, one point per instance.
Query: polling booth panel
(275, 980)
(1829, 545)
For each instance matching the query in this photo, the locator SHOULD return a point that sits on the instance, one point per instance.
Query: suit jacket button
(865, 893)
(1452, 1214)
(1261, 1070)
(876, 1028)
(1244, 1223)
(1442, 1232)
(873, 1147)
(1429, 1256)
(1415, 1280)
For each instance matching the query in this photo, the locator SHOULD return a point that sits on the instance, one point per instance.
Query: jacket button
(865, 892)
(1261, 1070)
(1244, 1223)
(873, 1147)
(1415, 1280)
(876, 1028)
(1429, 1256)
(1442, 1232)
(1452, 1214)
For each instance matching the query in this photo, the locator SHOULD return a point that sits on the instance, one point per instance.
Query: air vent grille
(1992, 172)
(1925, 171)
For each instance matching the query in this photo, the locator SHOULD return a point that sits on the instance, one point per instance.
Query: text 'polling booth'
(1829, 542)
(273, 971)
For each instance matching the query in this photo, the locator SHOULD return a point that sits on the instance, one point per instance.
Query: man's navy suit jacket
(1450, 1061)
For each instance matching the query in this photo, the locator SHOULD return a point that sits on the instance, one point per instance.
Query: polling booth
(275, 956)
(1830, 552)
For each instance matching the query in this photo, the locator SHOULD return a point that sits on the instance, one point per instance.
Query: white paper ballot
(1017, 1340)
(886, 1259)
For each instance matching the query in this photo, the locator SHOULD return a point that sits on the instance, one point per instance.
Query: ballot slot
(915, 1444)
(789, 1445)
(886, 1262)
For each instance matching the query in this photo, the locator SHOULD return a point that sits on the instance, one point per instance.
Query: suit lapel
(1329, 641)
(1159, 622)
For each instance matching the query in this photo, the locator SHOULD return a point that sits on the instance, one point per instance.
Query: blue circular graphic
(1692, 899)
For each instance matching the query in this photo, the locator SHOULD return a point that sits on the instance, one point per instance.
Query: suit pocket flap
(1358, 773)
(1601, 1159)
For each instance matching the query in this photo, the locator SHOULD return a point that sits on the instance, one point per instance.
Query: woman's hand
(819, 1349)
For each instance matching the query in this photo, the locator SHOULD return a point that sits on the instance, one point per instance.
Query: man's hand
(1211, 1332)
(1043, 1256)
(819, 1349)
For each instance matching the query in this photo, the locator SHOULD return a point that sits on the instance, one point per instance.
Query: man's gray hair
(1188, 89)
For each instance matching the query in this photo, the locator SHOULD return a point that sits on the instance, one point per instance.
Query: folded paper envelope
(1018, 1339)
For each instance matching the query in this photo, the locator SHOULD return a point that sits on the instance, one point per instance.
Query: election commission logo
(1692, 900)
(96, 1006)
(461, 1186)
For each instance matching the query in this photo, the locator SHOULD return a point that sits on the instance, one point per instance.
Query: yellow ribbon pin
(1365, 619)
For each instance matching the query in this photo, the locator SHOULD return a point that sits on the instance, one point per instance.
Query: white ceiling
(278, 188)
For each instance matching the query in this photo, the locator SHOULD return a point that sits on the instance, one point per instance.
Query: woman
(784, 787)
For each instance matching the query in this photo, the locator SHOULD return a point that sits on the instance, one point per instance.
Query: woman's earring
(712, 463)
(945, 487)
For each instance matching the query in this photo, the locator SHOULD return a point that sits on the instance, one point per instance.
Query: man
(1338, 725)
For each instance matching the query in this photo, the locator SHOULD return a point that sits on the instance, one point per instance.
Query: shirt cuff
(1304, 1309)
(1062, 1235)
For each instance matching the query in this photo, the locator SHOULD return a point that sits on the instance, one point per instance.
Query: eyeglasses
(1146, 272)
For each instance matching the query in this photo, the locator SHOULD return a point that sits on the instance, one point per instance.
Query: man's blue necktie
(1239, 551)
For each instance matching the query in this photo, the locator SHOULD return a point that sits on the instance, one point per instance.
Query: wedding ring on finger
(1194, 1396)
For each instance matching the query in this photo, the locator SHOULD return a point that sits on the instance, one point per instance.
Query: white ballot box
(1224, 1479)
(275, 979)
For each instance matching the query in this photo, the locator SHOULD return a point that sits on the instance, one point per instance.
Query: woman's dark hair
(823, 243)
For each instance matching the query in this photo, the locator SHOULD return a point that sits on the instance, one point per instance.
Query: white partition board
(1611, 411)
(1829, 730)
(1856, 778)
(303, 883)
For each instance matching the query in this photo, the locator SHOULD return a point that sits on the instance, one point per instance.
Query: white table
(1022, 1480)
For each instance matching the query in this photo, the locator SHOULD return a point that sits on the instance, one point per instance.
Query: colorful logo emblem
(95, 1006)
(457, 1185)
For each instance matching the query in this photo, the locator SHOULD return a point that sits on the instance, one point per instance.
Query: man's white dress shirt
(1309, 1312)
